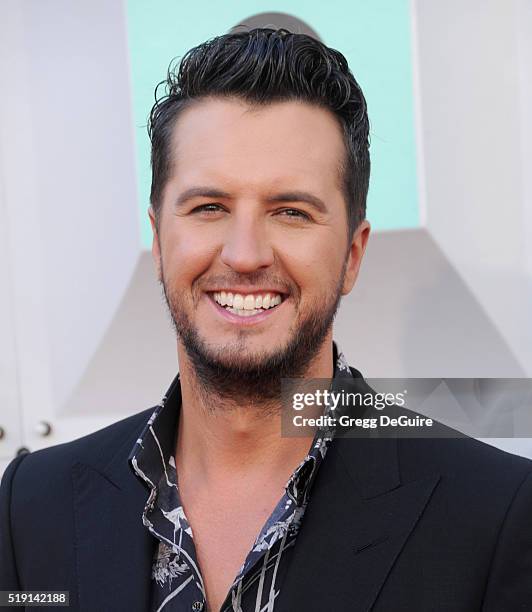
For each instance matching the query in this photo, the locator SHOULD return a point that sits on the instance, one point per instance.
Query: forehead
(285, 142)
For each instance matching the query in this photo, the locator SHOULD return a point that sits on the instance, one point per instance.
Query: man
(260, 173)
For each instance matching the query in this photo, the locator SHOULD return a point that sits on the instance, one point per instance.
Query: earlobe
(356, 253)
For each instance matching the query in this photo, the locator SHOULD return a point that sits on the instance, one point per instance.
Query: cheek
(314, 264)
(186, 254)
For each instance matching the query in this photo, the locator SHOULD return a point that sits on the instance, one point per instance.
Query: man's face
(254, 208)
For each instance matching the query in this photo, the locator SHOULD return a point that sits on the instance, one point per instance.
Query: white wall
(69, 190)
(475, 85)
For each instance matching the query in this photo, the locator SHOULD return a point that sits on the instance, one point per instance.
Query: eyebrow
(196, 192)
(300, 196)
(288, 196)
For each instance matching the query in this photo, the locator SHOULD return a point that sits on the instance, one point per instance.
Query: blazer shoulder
(54, 463)
(467, 462)
(449, 451)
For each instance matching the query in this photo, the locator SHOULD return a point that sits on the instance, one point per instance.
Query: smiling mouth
(247, 305)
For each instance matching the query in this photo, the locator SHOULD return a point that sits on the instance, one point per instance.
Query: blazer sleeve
(9, 580)
(509, 585)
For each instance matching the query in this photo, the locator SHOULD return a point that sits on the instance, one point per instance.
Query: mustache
(253, 279)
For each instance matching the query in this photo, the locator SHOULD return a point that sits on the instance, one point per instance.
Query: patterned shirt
(177, 584)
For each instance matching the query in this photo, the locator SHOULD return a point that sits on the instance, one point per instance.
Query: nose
(246, 246)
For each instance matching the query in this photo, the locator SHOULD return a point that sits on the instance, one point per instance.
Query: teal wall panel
(375, 37)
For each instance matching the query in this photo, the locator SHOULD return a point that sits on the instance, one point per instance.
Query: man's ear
(357, 249)
(155, 246)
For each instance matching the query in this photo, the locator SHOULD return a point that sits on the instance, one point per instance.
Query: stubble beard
(234, 378)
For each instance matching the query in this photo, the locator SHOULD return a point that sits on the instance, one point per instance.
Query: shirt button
(197, 606)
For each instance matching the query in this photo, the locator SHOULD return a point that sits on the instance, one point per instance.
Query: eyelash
(300, 213)
(203, 208)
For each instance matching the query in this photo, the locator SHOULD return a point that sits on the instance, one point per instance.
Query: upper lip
(247, 291)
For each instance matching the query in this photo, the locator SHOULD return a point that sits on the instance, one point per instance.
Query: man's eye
(208, 208)
(294, 213)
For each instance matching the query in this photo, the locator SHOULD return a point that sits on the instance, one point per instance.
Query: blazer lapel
(114, 550)
(358, 520)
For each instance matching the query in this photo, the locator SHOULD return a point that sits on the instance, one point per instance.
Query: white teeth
(249, 302)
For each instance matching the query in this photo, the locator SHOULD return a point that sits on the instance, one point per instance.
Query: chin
(241, 352)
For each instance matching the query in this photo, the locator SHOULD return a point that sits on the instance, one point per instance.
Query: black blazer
(392, 525)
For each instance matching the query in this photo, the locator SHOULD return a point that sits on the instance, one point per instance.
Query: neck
(237, 440)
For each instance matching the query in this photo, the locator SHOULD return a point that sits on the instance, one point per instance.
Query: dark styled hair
(262, 66)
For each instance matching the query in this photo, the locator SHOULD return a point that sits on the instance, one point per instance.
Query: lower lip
(249, 320)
